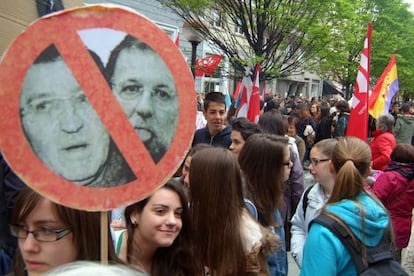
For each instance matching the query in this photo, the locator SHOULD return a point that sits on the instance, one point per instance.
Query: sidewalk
(293, 269)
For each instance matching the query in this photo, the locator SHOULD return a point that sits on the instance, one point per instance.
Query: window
(216, 19)
(211, 86)
(237, 26)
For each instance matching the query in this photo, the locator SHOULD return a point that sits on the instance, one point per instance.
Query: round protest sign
(97, 105)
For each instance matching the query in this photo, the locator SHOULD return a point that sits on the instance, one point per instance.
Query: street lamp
(194, 38)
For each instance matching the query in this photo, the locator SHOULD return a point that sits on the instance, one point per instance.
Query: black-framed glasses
(316, 161)
(42, 235)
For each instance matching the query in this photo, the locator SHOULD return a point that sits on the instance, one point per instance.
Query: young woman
(315, 195)
(341, 123)
(158, 237)
(315, 112)
(324, 128)
(272, 122)
(50, 235)
(228, 240)
(324, 253)
(293, 123)
(265, 178)
(306, 128)
(395, 188)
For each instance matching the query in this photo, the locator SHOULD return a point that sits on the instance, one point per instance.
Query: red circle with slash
(61, 29)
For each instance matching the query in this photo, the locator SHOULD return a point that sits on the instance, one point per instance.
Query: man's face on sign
(62, 127)
(145, 88)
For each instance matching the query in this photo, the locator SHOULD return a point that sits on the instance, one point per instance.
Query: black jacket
(221, 139)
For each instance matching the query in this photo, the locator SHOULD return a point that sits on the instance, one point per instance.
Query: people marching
(240, 204)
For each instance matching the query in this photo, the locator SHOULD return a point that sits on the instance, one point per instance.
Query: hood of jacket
(372, 223)
(408, 119)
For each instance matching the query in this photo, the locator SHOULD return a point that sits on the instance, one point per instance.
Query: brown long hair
(216, 200)
(261, 160)
(171, 260)
(85, 227)
(351, 160)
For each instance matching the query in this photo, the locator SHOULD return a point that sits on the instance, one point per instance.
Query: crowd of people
(239, 203)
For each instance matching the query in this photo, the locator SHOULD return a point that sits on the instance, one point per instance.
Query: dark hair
(85, 227)
(216, 196)
(264, 176)
(245, 127)
(403, 153)
(293, 120)
(51, 54)
(128, 42)
(325, 109)
(271, 105)
(342, 106)
(216, 97)
(172, 260)
(405, 107)
(272, 122)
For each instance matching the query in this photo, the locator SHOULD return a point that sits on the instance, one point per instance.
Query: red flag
(358, 119)
(177, 39)
(207, 65)
(253, 112)
(242, 102)
(237, 90)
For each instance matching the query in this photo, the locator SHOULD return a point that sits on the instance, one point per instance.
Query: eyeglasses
(42, 235)
(289, 164)
(316, 161)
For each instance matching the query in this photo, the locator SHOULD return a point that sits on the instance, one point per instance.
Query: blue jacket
(324, 254)
(277, 262)
(221, 139)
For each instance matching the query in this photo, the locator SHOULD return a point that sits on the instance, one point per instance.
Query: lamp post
(194, 38)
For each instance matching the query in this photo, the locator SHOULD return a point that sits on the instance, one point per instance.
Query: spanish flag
(385, 89)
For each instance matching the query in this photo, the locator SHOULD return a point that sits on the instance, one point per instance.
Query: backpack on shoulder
(381, 259)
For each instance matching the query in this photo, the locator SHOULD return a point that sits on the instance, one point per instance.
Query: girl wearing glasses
(349, 204)
(50, 235)
(266, 165)
(314, 196)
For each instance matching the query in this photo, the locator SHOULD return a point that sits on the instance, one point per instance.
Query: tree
(340, 58)
(393, 32)
(281, 35)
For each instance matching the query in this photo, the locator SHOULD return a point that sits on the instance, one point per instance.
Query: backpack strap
(305, 200)
(376, 254)
(345, 237)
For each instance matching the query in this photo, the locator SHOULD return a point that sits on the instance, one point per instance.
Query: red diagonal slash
(101, 97)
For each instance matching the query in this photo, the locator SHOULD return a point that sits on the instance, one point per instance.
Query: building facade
(304, 84)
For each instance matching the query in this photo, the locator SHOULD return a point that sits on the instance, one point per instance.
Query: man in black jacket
(215, 133)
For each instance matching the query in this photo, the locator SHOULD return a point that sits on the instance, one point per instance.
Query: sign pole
(104, 237)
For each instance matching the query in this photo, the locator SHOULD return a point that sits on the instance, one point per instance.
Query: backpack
(381, 258)
(305, 200)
